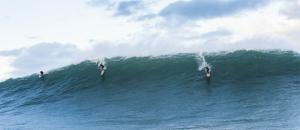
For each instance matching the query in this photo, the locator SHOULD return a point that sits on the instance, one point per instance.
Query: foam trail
(202, 62)
(100, 61)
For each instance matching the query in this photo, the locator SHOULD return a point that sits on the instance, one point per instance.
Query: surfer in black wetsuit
(101, 67)
(207, 72)
(41, 74)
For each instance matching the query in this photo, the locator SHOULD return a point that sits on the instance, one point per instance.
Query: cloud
(197, 9)
(32, 37)
(135, 10)
(42, 56)
(98, 2)
(5, 67)
(217, 33)
(292, 9)
(120, 8)
(11, 52)
(127, 7)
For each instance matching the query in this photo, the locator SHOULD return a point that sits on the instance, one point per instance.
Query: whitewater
(248, 90)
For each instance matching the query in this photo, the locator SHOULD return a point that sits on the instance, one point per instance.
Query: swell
(247, 65)
(180, 69)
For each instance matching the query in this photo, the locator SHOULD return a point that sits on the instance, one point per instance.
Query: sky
(43, 35)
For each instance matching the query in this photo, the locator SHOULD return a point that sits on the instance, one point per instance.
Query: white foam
(100, 61)
(202, 62)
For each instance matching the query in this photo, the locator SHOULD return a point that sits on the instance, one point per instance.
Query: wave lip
(244, 65)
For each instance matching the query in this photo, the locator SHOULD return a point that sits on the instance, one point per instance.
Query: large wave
(145, 72)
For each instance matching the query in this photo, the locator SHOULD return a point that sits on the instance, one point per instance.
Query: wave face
(248, 90)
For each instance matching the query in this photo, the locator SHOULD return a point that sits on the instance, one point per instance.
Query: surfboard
(208, 75)
(41, 76)
(102, 72)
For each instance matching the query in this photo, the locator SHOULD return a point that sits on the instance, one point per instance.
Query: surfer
(41, 74)
(207, 72)
(101, 68)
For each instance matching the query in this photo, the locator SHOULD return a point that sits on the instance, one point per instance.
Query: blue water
(248, 90)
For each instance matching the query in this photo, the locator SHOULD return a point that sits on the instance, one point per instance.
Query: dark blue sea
(248, 90)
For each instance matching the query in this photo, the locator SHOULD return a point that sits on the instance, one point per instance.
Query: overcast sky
(46, 34)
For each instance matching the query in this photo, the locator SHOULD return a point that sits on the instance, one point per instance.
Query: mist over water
(248, 90)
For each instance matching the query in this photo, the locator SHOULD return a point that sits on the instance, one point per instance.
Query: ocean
(248, 90)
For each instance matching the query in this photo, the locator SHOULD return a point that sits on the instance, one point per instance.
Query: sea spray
(100, 61)
(202, 61)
